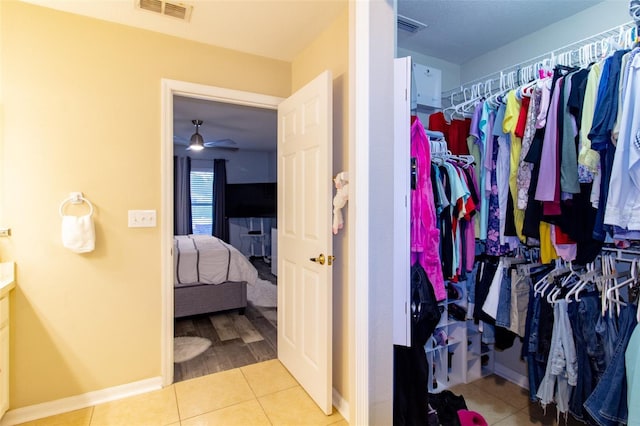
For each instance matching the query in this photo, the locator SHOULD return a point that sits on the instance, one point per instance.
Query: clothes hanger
(607, 280)
(613, 293)
(545, 282)
(541, 283)
(552, 297)
(585, 279)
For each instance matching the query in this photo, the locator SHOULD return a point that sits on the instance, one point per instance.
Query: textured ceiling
(250, 128)
(460, 30)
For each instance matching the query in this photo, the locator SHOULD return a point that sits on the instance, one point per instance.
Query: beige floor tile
(515, 419)
(152, 408)
(493, 409)
(212, 392)
(243, 414)
(524, 417)
(462, 388)
(72, 418)
(342, 422)
(294, 407)
(504, 389)
(268, 377)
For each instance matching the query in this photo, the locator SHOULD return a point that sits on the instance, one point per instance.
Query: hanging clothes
(623, 203)
(424, 234)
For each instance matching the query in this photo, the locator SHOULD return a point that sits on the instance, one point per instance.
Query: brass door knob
(320, 259)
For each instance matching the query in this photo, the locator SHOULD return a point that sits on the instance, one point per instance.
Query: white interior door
(304, 233)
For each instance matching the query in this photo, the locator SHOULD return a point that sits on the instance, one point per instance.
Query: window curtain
(182, 224)
(220, 222)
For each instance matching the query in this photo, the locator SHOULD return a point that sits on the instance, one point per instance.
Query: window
(202, 201)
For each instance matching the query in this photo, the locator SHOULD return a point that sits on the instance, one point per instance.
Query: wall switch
(142, 218)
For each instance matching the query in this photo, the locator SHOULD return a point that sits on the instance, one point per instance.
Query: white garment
(78, 233)
(623, 201)
(490, 306)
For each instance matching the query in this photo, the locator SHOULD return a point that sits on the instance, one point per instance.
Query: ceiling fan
(197, 143)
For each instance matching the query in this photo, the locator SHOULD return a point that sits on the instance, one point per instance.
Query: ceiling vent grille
(172, 9)
(410, 25)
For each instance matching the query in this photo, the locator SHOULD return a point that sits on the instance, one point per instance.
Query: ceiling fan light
(196, 143)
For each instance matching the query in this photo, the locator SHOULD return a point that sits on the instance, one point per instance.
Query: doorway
(171, 88)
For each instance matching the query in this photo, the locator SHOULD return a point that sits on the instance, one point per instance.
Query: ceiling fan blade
(180, 141)
(220, 143)
(228, 148)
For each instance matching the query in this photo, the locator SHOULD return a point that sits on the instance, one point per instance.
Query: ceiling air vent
(173, 9)
(410, 25)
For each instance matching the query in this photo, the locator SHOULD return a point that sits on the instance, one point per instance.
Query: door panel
(304, 232)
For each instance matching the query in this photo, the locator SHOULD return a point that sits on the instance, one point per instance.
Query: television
(251, 200)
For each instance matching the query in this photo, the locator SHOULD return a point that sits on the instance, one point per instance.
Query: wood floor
(237, 340)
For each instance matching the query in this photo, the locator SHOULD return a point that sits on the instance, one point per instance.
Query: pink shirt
(425, 237)
(548, 176)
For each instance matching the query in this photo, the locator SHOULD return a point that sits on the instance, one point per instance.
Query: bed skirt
(207, 298)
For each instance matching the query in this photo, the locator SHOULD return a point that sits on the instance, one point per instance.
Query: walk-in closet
(517, 222)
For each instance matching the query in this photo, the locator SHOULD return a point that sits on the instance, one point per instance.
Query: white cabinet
(428, 89)
(4, 369)
(6, 285)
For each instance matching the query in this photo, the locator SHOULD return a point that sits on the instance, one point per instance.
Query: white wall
(243, 166)
(596, 19)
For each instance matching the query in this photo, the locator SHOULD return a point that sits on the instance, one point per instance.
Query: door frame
(199, 91)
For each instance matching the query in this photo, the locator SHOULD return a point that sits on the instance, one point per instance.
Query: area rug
(262, 294)
(188, 347)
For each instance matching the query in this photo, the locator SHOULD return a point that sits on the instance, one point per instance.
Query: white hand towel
(78, 233)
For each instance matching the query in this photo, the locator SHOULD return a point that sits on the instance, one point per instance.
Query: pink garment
(425, 237)
(471, 418)
(567, 252)
(549, 173)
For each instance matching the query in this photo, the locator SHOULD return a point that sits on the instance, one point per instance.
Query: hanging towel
(78, 233)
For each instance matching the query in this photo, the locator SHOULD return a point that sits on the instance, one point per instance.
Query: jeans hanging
(608, 402)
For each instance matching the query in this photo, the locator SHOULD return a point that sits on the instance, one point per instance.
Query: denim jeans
(503, 316)
(607, 329)
(608, 402)
(471, 291)
(562, 369)
(590, 351)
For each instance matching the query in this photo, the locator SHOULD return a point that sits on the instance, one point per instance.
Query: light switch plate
(142, 218)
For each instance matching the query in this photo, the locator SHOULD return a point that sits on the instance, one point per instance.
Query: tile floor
(266, 394)
(257, 394)
(503, 403)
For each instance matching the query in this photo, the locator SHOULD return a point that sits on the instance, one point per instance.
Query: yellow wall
(331, 51)
(81, 102)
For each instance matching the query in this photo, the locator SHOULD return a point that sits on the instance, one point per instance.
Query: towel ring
(72, 199)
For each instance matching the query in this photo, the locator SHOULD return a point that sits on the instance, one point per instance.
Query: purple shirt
(546, 188)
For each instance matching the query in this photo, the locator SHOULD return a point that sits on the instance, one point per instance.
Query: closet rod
(620, 253)
(569, 49)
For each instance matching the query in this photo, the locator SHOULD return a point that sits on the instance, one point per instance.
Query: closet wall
(593, 20)
(596, 19)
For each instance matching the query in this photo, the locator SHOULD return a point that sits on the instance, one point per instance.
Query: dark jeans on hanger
(608, 402)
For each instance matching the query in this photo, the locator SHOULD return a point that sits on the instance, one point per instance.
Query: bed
(210, 276)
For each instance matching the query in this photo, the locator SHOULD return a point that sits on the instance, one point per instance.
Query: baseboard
(341, 405)
(46, 409)
(510, 375)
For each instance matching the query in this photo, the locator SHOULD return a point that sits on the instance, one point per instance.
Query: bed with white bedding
(210, 275)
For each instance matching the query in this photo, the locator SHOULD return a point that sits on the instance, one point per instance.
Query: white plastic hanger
(585, 279)
(613, 293)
